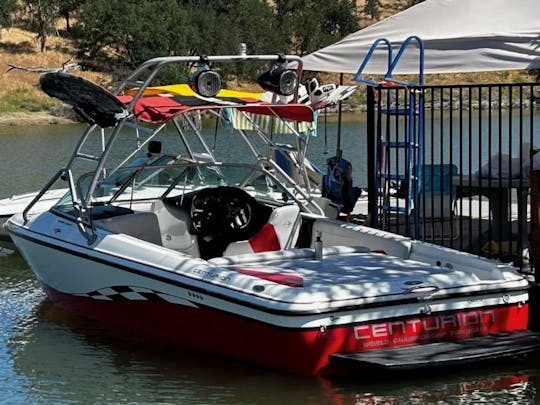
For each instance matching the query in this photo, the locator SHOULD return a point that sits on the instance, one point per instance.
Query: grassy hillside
(21, 100)
(19, 90)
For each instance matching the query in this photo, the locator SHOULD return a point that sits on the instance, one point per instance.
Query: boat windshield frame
(140, 184)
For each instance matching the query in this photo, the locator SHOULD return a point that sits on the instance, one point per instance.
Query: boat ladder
(398, 159)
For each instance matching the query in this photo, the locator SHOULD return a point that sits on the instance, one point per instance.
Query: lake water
(48, 356)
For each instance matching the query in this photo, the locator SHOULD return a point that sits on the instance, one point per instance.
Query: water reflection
(19, 294)
(67, 359)
(505, 386)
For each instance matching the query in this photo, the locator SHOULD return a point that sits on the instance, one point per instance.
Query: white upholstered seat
(279, 233)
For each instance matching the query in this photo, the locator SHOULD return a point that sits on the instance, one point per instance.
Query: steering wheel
(222, 210)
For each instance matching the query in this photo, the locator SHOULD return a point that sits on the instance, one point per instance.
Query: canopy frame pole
(372, 215)
(338, 138)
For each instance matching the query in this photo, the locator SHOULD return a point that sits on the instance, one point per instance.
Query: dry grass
(19, 89)
(510, 76)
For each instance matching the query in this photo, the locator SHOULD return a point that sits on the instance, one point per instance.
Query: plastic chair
(438, 200)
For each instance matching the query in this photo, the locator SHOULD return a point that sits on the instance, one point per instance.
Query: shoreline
(33, 118)
(21, 118)
(46, 118)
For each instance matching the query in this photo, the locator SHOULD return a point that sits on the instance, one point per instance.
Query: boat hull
(199, 307)
(297, 350)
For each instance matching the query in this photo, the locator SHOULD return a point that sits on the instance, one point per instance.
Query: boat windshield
(175, 177)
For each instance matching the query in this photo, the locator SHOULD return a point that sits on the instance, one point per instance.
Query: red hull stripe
(294, 350)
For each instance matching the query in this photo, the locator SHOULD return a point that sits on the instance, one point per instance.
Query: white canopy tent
(458, 36)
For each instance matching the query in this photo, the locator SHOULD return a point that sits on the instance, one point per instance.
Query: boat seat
(140, 225)
(330, 209)
(279, 233)
(174, 224)
(336, 233)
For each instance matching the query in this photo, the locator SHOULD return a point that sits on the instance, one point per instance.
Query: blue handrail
(395, 61)
(358, 76)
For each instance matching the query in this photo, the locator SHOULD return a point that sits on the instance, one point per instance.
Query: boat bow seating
(283, 255)
(357, 235)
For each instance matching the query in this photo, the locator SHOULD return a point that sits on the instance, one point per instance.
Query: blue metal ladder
(411, 147)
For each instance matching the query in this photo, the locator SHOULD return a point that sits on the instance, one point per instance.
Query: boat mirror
(205, 81)
(154, 148)
(279, 79)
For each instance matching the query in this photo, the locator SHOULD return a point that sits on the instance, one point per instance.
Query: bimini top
(161, 108)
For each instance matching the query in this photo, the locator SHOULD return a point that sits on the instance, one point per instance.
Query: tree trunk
(43, 41)
(68, 27)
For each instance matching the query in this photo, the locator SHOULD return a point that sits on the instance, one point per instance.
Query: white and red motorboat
(238, 257)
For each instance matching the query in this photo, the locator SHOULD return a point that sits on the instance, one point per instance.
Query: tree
(371, 8)
(134, 31)
(66, 7)
(7, 9)
(43, 14)
(313, 24)
(220, 26)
